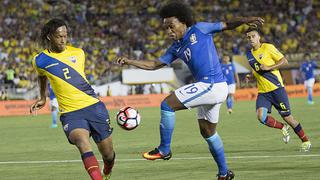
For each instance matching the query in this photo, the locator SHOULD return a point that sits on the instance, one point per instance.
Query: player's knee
(206, 132)
(207, 129)
(82, 142)
(262, 115)
(165, 106)
(285, 114)
(82, 145)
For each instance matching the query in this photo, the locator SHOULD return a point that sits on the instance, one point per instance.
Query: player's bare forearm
(238, 21)
(43, 82)
(142, 64)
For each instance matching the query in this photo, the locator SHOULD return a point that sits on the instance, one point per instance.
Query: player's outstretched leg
(91, 165)
(166, 129)
(80, 138)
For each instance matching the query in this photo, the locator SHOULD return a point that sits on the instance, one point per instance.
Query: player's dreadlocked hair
(181, 11)
(48, 29)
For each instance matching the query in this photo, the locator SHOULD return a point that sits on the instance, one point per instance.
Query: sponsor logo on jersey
(50, 65)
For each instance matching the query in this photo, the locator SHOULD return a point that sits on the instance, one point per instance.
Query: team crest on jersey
(260, 56)
(73, 59)
(65, 127)
(193, 39)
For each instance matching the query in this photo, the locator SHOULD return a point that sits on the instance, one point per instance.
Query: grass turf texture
(31, 150)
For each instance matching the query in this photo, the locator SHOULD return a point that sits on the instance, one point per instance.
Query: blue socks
(54, 115)
(166, 127)
(217, 151)
(229, 102)
(309, 94)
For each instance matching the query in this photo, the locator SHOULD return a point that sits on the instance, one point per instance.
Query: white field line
(141, 159)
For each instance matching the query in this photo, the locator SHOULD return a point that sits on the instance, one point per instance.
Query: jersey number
(256, 66)
(283, 106)
(187, 54)
(191, 89)
(66, 73)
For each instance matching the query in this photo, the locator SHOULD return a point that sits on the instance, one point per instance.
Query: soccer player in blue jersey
(82, 113)
(193, 44)
(307, 68)
(265, 61)
(54, 107)
(229, 71)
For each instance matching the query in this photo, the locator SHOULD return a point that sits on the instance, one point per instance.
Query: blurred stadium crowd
(106, 28)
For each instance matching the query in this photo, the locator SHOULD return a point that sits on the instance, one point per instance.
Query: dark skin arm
(43, 81)
(142, 64)
(236, 22)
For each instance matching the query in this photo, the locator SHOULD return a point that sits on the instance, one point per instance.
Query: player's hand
(255, 21)
(37, 105)
(248, 78)
(122, 60)
(264, 67)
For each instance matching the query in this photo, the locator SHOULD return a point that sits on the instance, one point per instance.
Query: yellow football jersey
(65, 72)
(268, 55)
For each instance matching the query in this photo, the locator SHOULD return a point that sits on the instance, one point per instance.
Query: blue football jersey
(229, 71)
(198, 51)
(307, 68)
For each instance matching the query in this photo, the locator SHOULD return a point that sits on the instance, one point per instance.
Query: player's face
(226, 59)
(175, 29)
(253, 38)
(58, 39)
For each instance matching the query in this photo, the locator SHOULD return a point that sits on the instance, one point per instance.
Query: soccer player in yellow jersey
(82, 113)
(265, 60)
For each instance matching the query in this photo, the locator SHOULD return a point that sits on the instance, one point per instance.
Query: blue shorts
(277, 98)
(94, 118)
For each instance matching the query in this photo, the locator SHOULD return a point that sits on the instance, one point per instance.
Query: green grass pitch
(29, 149)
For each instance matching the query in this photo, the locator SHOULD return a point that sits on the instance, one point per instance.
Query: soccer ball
(128, 118)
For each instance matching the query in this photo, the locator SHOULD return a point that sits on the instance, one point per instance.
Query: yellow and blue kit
(65, 72)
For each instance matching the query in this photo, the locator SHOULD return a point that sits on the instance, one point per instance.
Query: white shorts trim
(231, 88)
(207, 97)
(309, 82)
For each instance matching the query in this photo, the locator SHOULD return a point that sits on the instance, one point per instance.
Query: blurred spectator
(10, 77)
(133, 28)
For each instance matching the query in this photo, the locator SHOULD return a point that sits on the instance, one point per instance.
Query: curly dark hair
(48, 29)
(181, 11)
